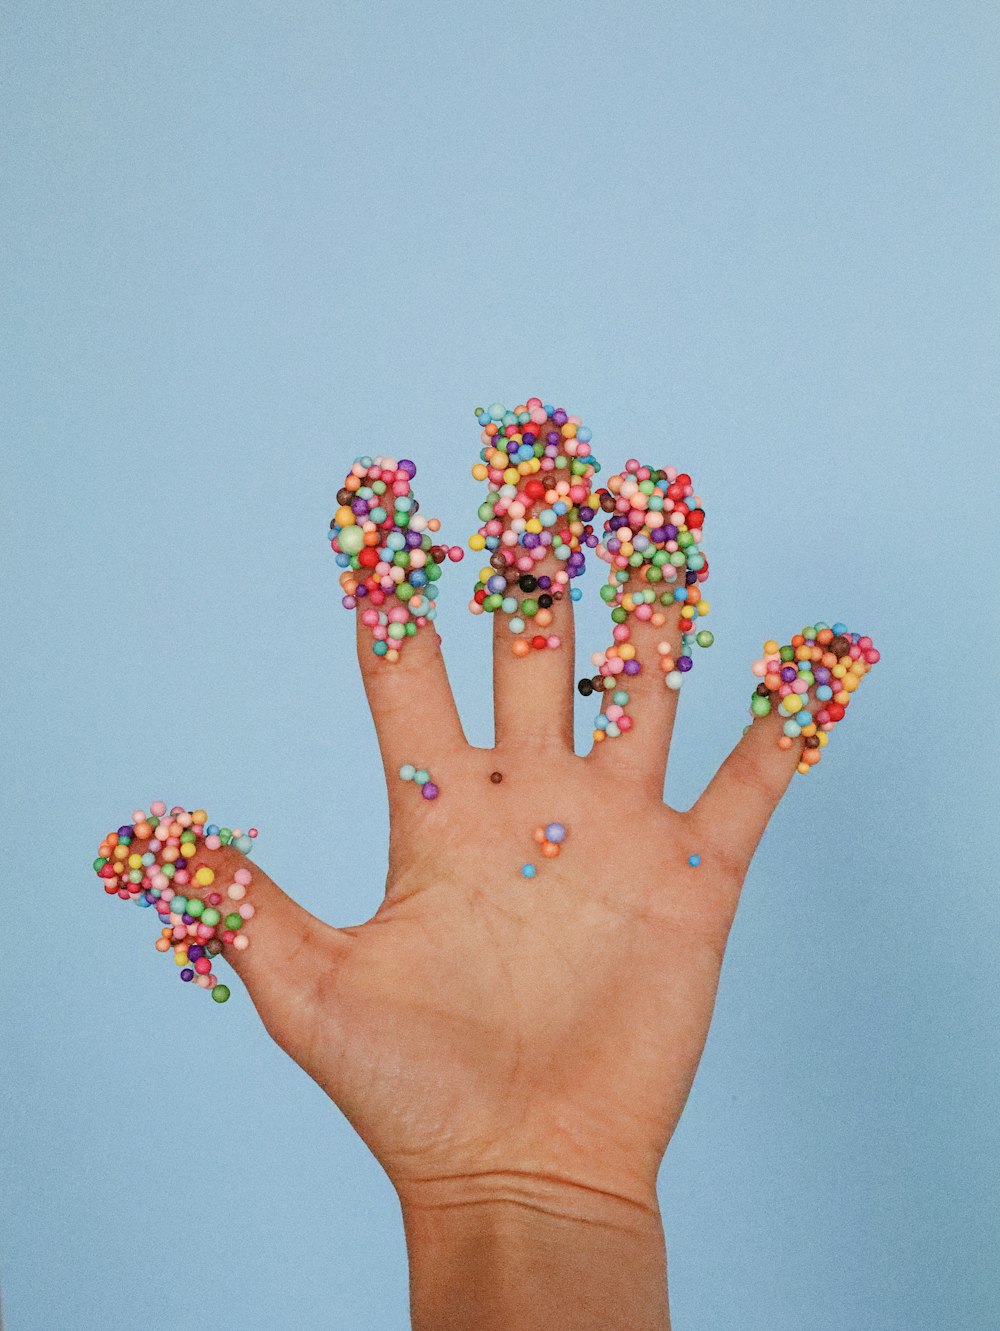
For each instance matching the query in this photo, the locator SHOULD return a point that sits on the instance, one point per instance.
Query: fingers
(533, 675)
(411, 700)
(805, 690)
(392, 572)
(536, 524)
(213, 904)
(652, 542)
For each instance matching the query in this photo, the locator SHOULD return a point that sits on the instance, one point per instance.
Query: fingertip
(803, 692)
(390, 553)
(806, 686)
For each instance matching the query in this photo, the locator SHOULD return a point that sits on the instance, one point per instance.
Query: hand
(516, 1051)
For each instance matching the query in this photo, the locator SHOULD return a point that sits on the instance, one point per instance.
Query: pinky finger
(804, 691)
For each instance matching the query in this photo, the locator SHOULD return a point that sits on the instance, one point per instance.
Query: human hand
(521, 1048)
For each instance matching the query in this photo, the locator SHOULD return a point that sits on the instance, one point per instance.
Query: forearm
(506, 1265)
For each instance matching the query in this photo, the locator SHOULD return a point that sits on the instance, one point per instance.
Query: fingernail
(810, 681)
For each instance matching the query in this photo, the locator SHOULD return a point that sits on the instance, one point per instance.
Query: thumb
(214, 904)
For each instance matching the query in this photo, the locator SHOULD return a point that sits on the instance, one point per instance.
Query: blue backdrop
(251, 240)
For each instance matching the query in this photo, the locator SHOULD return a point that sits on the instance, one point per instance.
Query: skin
(517, 1053)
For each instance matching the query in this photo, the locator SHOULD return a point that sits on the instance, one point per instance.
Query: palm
(481, 1024)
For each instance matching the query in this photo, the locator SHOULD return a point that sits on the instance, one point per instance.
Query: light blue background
(251, 240)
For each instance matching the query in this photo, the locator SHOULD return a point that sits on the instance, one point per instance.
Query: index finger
(392, 564)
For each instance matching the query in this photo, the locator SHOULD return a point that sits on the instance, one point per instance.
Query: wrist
(520, 1253)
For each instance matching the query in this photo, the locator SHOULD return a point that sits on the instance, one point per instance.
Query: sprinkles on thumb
(149, 861)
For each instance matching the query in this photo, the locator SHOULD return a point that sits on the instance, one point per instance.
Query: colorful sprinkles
(148, 861)
(422, 778)
(652, 537)
(810, 680)
(386, 548)
(539, 468)
(549, 839)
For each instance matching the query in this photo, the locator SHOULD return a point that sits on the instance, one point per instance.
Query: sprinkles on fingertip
(386, 547)
(810, 680)
(538, 465)
(652, 535)
(148, 861)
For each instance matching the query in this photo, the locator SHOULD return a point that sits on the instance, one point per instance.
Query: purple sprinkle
(671, 531)
(632, 667)
(188, 919)
(409, 467)
(187, 974)
(180, 862)
(684, 663)
(789, 674)
(429, 791)
(195, 951)
(545, 582)
(126, 829)
(359, 507)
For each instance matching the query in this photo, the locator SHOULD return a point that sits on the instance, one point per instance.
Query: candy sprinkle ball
(811, 680)
(386, 548)
(538, 465)
(550, 839)
(652, 535)
(421, 776)
(146, 861)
